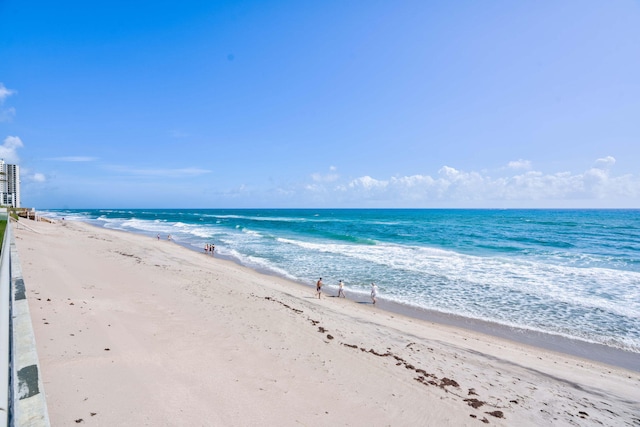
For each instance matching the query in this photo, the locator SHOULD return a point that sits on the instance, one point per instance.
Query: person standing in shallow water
(374, 292)
(319, 287)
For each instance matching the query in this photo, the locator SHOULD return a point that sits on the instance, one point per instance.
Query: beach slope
(135, 331)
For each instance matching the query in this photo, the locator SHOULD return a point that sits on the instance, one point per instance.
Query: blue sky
(212, 104)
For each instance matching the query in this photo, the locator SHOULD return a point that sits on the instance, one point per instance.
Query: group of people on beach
(374, 290)
(209, 248)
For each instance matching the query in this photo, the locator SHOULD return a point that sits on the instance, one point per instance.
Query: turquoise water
(574, 273)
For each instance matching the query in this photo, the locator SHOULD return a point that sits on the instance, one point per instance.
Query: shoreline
(132, 331)
(571, 346)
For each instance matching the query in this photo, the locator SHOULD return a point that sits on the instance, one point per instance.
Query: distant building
(9, 184)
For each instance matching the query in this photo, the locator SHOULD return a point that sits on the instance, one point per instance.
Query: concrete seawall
(29, 401)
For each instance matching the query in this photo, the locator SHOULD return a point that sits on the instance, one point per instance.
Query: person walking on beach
(341, 289)
(158, 236)
(374, 292)
(319, 287)
(206, 248)
(212, 248)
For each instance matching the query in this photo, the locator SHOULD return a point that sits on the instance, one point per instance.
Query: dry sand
(132, 331)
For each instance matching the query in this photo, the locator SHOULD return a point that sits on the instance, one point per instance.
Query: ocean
(570, 273)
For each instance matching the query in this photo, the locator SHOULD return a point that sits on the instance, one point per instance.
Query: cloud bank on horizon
(409, 105)
(452, 187)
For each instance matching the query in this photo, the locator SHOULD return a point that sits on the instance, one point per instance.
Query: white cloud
(5, 93)
(6, 114)
(519, 164)
(329, 177)
(368, 184)
(448, 172)
(173, 173)
(8, 149)
(38, 177)
(27, 175)
(74, 159)
(606, 162)
(596, 186)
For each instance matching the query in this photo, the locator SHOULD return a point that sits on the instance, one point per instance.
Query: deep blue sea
(574, 273)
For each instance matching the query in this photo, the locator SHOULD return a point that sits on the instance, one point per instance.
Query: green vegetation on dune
(3, 226)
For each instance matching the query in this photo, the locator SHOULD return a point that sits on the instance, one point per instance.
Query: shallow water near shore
(572, 274)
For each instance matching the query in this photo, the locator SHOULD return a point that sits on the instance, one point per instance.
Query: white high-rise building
(9, 184)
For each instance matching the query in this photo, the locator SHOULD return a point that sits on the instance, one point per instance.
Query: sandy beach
(134, 331)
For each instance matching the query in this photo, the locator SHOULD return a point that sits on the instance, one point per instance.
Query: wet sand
(592, 351)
